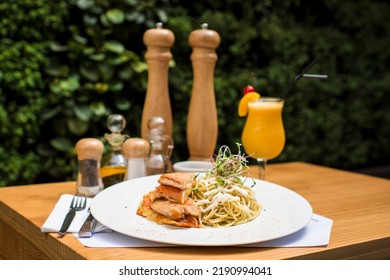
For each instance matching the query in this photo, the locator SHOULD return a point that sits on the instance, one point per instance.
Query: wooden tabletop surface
(359, 206)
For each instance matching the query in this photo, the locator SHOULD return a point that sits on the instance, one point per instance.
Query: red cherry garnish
(248, 88)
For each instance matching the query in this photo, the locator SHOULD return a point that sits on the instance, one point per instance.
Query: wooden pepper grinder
(89, 153)
(158, 41)
(202, 123)
(136, 151)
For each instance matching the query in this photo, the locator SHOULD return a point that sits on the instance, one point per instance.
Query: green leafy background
(66, 65)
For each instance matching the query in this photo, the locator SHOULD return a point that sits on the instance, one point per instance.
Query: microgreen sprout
(227, 165)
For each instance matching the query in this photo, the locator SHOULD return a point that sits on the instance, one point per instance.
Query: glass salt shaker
(161, 149)
(136, 151)
(114, 163)
(89, 153)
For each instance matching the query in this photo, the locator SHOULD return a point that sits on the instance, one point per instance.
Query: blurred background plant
(65, 66)
(26, 27)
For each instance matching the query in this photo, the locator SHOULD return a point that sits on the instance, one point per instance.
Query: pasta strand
(225, 202)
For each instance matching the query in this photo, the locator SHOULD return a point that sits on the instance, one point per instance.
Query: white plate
(192, 166)
(283, 212)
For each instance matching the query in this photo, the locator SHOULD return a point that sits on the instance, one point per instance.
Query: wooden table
(358, 204)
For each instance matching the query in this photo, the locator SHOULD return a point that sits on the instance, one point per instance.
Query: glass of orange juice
(263, 136)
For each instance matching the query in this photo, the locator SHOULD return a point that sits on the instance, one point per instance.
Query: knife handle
(68, 220)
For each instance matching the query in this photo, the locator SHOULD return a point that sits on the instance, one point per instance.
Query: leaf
(123, 104)
(49, 113)
(106, 71)
(72, 83)
(80, 39)
(135, 16)
(114, 46)
(126, 73)
(89, 72)
(85, 4)
(66, 86)
(60, 143)
(45, 150)
(131, 2)
(53, 70)
(76, 126)
(162, 15)
(82, 112)
(139, 66)
(89, 51)
(97, 56)
(90, 19)
(101, 87)
(98, 108)
(118, 86)
(56, 47)
(116, 16)
(104, 20)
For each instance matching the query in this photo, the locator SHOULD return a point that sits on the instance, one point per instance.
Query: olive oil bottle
(113, 166)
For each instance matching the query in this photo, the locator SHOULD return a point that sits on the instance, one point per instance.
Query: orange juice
(263, 135)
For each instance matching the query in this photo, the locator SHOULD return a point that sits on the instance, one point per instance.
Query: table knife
(86, 229)
(68, 220)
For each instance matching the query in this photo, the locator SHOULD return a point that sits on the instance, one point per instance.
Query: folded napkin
(315, 233)
(54, 222)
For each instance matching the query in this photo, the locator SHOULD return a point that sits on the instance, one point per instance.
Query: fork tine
(84, 203)
(72, 203)
(76, 201)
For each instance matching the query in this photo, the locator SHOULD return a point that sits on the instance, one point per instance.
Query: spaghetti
(224, 199)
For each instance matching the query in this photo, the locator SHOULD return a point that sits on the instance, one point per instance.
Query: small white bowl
(192, 166)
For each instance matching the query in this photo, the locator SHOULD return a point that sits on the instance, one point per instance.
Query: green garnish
(227, 165)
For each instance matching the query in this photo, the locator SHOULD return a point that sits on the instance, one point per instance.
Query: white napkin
(315, 233)
(54, 222)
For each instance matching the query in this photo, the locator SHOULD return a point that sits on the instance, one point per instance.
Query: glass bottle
(161, 147)
(114, 163)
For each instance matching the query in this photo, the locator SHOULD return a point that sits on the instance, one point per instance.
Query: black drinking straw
(300, 75)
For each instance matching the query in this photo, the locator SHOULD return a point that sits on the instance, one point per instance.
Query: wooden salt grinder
(157, 104)
(202, 123)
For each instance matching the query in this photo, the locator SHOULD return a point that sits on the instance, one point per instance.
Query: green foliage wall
(65, 66)
(342, 121)
(95, 68)
(26, 27)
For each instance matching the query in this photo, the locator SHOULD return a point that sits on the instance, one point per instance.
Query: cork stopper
(204, 38)
(135, 148)
(89, 148)
(159, 37)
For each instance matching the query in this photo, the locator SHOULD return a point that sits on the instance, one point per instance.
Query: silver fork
(78, 204)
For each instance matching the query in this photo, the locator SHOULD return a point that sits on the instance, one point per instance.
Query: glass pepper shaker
(161, 147)
(114, 163)
(89, 153)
